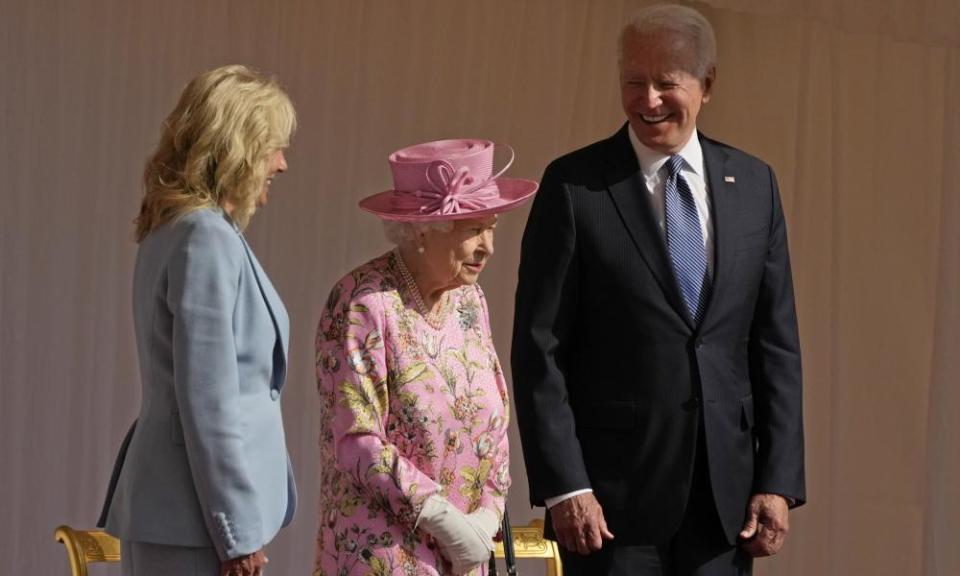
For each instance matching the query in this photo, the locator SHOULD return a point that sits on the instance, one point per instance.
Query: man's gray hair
(405, 233)
(680, 20)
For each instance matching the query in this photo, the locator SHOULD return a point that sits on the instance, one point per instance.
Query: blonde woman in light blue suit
(205, 480)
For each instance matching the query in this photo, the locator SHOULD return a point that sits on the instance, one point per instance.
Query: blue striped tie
(685, 239)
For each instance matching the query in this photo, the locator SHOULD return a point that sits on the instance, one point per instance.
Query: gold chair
(87, 546)
(528, 542)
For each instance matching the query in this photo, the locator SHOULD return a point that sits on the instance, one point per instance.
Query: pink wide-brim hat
(448, 180)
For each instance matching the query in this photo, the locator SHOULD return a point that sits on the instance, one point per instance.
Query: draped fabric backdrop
(854, 102)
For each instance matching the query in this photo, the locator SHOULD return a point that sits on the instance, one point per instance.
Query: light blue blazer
(207, 464)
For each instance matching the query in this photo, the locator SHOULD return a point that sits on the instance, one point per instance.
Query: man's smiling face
(660, 95)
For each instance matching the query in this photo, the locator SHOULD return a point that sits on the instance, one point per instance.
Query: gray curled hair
(406, 233)
(683, 21)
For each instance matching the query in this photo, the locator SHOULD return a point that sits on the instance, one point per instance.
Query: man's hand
(579, 524)
(249, 565)
(767, 525)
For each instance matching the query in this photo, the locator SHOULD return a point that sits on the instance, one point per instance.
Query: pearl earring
(419, 249)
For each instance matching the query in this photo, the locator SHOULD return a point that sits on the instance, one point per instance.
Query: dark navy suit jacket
(612, 378)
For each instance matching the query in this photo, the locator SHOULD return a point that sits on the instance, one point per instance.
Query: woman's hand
(466, 540)
(249, 565)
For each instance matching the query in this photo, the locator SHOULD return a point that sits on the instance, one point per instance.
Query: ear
(707, 83)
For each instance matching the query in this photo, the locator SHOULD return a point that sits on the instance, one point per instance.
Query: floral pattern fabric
(407, 410)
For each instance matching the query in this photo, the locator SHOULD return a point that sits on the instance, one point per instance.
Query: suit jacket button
(274, 394)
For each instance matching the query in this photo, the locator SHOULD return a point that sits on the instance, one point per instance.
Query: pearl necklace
(434, 319)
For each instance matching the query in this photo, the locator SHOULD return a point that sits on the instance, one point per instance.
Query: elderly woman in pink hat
(414, 462)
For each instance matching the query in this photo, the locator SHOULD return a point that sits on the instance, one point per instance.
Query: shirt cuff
(551, 502)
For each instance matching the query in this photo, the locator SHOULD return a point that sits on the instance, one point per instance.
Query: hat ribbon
(454, 190)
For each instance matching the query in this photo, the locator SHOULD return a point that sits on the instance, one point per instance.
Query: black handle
(508, 553)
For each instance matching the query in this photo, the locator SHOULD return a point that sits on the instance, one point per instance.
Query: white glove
(466, 540)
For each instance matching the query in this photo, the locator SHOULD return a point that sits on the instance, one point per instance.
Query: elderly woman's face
(457, 257)
(276, 163)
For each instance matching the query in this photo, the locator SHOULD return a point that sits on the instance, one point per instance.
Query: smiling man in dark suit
(656, 360)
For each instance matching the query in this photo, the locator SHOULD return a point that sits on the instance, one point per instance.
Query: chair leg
(554, 565)
(78, 566)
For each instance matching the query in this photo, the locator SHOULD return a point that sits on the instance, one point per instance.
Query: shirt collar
(651, 160)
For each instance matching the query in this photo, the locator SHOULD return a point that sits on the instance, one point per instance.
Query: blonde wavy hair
(215, 147)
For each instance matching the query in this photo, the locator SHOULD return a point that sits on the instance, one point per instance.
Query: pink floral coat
(407, 410)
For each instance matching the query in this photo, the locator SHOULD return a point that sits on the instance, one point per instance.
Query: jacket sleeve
(352, 372)
(775, 370)
(494, 491)
(546, 304)
(203, 278)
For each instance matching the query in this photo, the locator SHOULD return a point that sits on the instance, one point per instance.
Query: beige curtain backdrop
(854, 102)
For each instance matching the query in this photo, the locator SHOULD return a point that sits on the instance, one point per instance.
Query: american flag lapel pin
(730, 179)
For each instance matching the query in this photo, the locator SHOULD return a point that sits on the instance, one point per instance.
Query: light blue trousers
(146, 559)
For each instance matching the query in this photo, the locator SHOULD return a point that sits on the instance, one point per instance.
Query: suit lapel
(278, 313)
(725, 205)
(627, 189)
